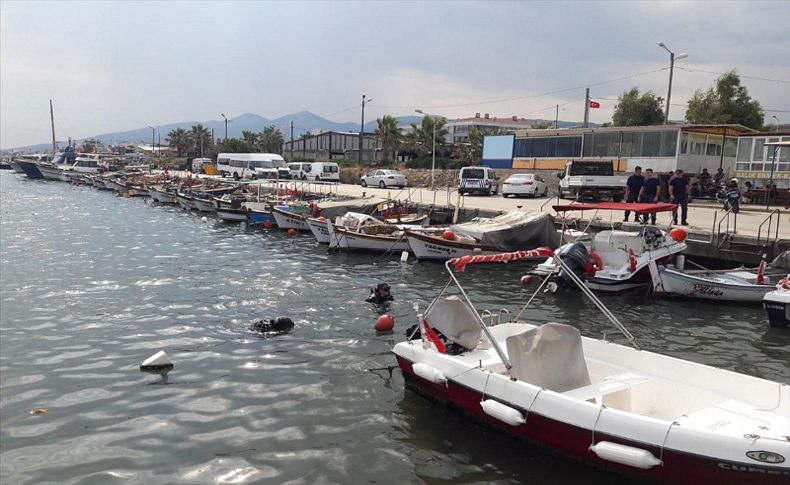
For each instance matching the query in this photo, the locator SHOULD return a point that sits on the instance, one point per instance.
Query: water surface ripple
(92, 284)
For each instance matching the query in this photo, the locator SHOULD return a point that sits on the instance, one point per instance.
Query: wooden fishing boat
(739, 285)
(287, 218)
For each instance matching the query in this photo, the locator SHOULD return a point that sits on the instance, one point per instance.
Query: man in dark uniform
(632, 187)
(649, 193)
(679, 194)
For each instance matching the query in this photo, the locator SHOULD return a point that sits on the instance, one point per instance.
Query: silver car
(383, 178)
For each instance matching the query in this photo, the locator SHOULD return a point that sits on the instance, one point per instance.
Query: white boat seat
(609, 385)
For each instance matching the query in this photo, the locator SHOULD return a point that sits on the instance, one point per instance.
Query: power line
(547, 93)
(739, 75)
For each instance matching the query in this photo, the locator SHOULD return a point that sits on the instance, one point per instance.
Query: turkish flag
(595, 104)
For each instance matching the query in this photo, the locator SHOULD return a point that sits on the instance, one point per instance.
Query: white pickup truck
(591, 180)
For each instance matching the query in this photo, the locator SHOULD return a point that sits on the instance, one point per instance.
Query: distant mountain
(303, 122)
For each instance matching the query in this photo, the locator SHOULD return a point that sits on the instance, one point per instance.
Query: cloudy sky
(111, 66)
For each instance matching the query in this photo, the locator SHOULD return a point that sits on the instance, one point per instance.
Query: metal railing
(770, 221)
(726, 219)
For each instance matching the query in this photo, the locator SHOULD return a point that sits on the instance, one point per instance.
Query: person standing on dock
(679, 194)
(649, 193)
(633, 186)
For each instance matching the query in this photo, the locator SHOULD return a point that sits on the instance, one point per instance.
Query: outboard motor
(577, 259)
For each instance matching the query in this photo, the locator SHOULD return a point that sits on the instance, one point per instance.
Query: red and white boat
(642, 414)
(616, 260)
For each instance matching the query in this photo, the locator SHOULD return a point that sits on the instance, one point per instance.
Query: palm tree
(421, 136)
(271, 139)
(200, 136)
(390, 136)
(252, 139)
(179, 139)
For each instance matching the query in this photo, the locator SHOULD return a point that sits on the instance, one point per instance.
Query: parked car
(480, 179)
(199, 163)
(300, 170)
(383, 178)
(524, 184)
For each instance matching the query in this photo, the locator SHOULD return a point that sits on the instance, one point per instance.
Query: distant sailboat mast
(52, 119)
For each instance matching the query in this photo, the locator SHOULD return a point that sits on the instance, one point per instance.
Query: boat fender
(625, 455)
(429, 373)
(504, 413)
(784, 283)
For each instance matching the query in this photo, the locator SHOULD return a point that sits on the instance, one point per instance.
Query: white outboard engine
(577, 259)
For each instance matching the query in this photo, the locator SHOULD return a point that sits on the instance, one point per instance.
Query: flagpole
(587, 107)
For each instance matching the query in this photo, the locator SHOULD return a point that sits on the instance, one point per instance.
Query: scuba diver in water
(380, 294)
(279, 325)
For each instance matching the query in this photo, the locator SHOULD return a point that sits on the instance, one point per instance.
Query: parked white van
(326, 171)
(198, 163)
(300, 170)
(479, 179)
(252, 165)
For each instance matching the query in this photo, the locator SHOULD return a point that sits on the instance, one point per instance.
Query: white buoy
(158, 361)
(404, 256)
(204, 219)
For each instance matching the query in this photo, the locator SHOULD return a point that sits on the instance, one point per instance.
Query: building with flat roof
(758, 163)
(333, 144)
(662, 147)
(458, 129)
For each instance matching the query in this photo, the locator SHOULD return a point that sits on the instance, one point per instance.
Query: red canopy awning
(638, 208)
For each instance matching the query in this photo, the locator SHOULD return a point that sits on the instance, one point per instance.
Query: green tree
(200, 138)
(727, 102)
(235, 145)
(420, 138)
(179, 139)
(271, 140)
(251, 138)
(633, 109)
(541, 125)
(390, 136)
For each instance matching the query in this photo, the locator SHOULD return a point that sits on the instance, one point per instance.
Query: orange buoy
(678, 234)
(526, 279)
(385, 323)
(267, 224)
(448, 235)
(597, 261)
(292, 232)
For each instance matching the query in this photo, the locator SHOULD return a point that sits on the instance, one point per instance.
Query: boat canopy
(638, 208)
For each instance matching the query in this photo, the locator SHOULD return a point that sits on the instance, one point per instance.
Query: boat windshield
(262, 164)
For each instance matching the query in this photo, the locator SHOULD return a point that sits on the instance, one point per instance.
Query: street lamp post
(226, 126)
(153, 135)
(433, 144)
(362, 128)
(672, 59)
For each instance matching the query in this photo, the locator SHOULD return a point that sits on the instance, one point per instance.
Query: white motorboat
(511, 231)
(615, 260)
(49, 171)
(232, 215)
(639, 413)
(287, 218)
(777, 304)
(738, 285)
(185, 201)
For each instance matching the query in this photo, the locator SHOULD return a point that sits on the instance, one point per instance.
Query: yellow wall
(620, 165)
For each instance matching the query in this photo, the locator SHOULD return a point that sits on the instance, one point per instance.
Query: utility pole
(160, 145)
(52, 119)
(557, 118)
(292, 139)
(226, 127)
(671, 69)
(362, 129)
(587, 108)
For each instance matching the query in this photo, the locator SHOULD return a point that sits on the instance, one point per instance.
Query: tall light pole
(362, 128)
(672, 58)
(153, 134)
(226, 126)
(433, 144)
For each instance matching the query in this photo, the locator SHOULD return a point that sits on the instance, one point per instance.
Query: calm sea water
(92, 284)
